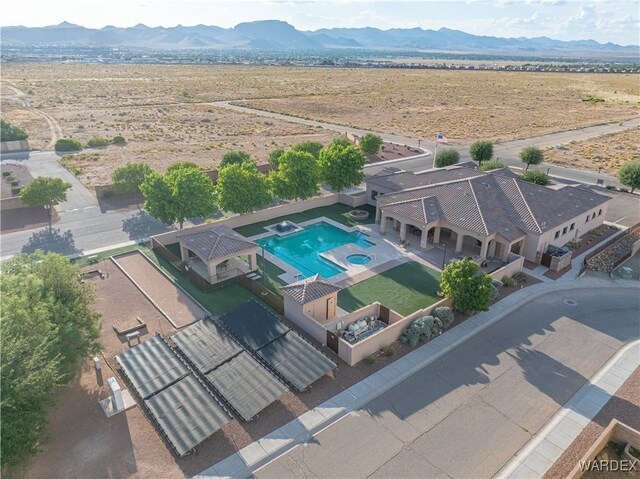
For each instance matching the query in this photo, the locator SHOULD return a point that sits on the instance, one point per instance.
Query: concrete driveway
(469, 412)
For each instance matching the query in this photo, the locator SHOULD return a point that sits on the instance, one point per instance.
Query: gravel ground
(624, 406)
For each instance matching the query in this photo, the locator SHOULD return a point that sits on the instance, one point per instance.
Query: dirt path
(174, 302)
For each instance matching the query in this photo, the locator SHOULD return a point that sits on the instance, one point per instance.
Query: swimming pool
(302, 249)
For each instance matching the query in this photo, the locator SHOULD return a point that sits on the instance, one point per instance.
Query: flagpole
(435, 152)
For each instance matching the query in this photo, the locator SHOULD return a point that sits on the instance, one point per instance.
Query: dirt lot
(609, 152)
(162, 110)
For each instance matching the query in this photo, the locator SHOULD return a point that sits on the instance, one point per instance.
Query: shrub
(445, 315)
(536, 177)
(15, 183)
(118, 140)
(491, 165)
(481, 151)
(6, 173)
(435, 325)
(370, 143)
(98, 141)
(15, 191)
(68, 144)
(497, 283)
(234, 157)
(108, 194)
(446, 157)
(610, 187)
(508, 282)
(9, 132)
(388, 350)
(520, 277)
(370, 360)
(423, 327)
(410, 336)
(495, 294)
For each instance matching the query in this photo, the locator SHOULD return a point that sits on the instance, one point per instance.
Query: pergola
(218, 253)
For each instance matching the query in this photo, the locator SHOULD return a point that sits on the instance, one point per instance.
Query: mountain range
(275, 35)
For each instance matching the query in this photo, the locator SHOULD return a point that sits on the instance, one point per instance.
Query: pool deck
(384, 253)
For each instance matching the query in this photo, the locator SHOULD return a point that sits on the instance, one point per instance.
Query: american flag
(441, 139)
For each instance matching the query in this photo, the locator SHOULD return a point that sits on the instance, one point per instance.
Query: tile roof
(216, 242)
(491, 203)
(404, 180)
(310, 289)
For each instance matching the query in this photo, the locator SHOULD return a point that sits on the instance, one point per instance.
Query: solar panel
(206, 345)
(151, 366)
(296, 360)
(187, 414)
(254, 324)
(246, 385)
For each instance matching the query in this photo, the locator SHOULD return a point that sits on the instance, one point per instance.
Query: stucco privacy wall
(352, 354)
(258, 216)
(515, 265)
(14, 146)
(354, 200)
(295, 313)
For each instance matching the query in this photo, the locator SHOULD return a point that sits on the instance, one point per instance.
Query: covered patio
(217, 254)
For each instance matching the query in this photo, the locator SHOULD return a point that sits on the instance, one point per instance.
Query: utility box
(96, 363)
(116, 394)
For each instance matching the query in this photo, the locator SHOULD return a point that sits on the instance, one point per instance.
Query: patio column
(459, 240)
(252, 261)
(436, 235)
(213, 277)
(484, 248)
(396, 225)
(492, 248)
(505, 253)
(403, 231)
(378, 215)
(184, 253)
(383, 223)
(423, 237)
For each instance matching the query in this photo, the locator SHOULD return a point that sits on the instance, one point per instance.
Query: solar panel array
(237, 376)
(286, 351)
(183, 408)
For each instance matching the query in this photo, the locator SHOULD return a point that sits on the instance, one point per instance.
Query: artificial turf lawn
(405, 289)
(337, 212)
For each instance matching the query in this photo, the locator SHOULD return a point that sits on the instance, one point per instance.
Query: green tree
(531, 155)
(311, 147)
(342, 141)
(45, 191)
(446, 157)
(241, 188)
(9, 132)
(370, 143)
(179, 165)
(234, 157)
(481, 150)
(128, 178)
(274, 157)
(536, 177)
(469, 289)
(182, 192)
(68, 144)
(629, 175)
(341, 167)
(298, 176)
(48, 327)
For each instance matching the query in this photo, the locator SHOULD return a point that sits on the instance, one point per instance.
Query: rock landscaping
(608, 259)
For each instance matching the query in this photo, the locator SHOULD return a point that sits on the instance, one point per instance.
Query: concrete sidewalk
(541, 452)
(301, 430)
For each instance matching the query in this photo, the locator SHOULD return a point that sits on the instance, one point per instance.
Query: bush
(68, 144)
(536, 177)
(234, 157)
(481, 151)
(370, 143)
(629, 175)
(118, 140)
(495, 294)
(497, 283)
(520, 277)
(6, 173)
(445, 315)
(9, 132)
(108, 194)
(491, 165)
(446, 157)
(410, 336)
(508, 282)
(370, 360)
(388, 350)
(97, 142)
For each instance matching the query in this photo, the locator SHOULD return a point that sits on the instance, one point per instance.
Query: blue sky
(605, 20)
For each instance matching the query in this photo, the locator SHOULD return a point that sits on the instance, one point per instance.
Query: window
(594, 215)
(564, 230)
(573, 225)
(587, 220)
(599, 212)
(557, 234)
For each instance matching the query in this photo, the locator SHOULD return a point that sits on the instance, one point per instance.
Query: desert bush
(118, 140)
(497, 283)
(410, 336)
(491, 165)
(9, 132)
(536, 177)
(508, 282)
(495, 294)
(370, 360)
(520, 277)
(388, 350)
(6, 173)
(445, 315)
(446, 157)
(68, 144)
(98, 141)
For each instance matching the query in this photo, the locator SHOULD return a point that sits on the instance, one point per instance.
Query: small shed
(218, 253)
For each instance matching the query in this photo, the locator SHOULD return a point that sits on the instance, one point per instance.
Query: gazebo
(218, 253)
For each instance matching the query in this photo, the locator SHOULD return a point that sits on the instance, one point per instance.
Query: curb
(243, 463)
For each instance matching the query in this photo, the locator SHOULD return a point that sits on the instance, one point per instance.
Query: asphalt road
(469, 412)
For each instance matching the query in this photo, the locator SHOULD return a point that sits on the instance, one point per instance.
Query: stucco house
(488, 215)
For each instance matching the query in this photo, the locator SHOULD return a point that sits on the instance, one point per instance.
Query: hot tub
(359, 259)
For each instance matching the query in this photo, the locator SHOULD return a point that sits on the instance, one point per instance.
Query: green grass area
(337, 212)
(405, 289)
(174, 248)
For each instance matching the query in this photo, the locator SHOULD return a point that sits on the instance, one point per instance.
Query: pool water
(302, 249)
(359, 259)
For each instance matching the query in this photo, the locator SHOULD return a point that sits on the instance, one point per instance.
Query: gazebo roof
(310, 289)
(215, 243)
